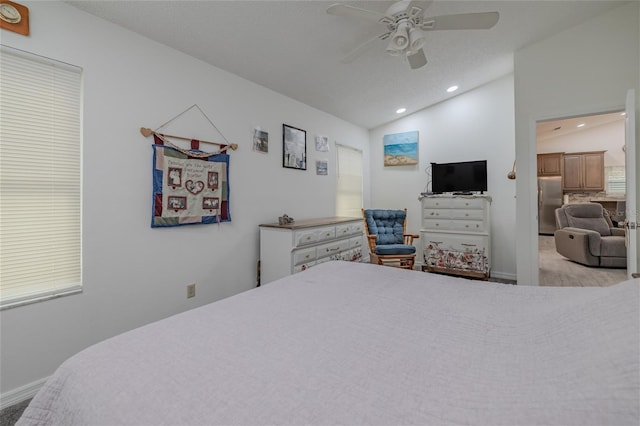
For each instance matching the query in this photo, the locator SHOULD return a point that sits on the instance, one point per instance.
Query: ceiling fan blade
(417, 60)
(463, 21)
(353, 55)
(355, 12)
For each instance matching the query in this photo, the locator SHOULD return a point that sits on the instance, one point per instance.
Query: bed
(361, 344)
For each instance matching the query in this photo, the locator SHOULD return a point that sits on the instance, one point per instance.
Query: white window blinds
(349, 190)
(40, 178)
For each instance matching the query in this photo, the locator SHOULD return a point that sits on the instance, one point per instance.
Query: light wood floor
(558, 271)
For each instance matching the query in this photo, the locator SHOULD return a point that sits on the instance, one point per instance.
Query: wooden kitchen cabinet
(583, 171)
(550, 164)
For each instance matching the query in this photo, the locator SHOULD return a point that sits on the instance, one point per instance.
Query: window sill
(10, 304)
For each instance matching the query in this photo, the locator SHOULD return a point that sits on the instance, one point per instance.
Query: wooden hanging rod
(146, 132)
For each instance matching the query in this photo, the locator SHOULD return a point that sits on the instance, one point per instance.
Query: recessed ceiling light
(400, 110)
(623, 114)
(580, 125)
(452, 89)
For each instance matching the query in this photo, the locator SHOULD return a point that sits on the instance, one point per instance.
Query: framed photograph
(212, 180)
(210, 203)
(322, 143)
(321, 167)
(260, 141)
(177, 203)
(174, 177)
(294, 148)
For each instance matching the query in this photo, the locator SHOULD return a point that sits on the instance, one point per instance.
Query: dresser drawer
(356, 228)
(302, 238)
(304, 255)
(343, 230)
(467, 226)
(355, 242)
(456, 252)
(467, 203)
(443, 224)
(470, 214)
(303, 267)
(436, 203)
(435, 213)
(332, 248)
(327, 233)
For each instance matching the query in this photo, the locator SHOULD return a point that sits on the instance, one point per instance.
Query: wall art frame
(294, 147)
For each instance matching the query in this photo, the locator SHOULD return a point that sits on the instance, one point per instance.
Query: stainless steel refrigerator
(549, 199)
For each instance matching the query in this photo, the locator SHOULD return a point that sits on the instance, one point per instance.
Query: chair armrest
(577, 243)
(408, 238)
(371, 239)
(619, 232)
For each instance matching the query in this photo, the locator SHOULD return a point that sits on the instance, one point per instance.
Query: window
(349, 191)
(615, 179)
(40, 188)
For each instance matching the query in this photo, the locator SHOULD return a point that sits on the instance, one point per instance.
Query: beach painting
(401, 149)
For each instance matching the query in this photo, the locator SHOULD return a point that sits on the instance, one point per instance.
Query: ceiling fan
(406, 25)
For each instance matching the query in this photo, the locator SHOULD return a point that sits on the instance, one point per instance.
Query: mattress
(359, 344)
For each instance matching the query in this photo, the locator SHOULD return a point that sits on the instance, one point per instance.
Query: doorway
(580, 160)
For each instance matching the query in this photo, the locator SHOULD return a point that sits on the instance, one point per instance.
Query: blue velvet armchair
(389, 243)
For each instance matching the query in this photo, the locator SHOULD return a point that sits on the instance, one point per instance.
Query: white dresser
(287, 249)
(456, 234)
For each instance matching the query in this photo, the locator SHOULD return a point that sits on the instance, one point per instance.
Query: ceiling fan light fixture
(416, 40)
(393, 50)
(400, 38)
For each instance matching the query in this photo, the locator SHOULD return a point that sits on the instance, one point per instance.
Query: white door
(631, 222)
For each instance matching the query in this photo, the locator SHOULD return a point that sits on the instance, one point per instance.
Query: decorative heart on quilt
(194, 187)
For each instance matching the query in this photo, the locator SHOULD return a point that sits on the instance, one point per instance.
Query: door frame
(534, 278)
(631, 221)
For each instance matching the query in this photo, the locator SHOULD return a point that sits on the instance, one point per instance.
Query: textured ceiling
(295, 47)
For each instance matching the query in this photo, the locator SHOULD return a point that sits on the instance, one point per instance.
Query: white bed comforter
(356, 344)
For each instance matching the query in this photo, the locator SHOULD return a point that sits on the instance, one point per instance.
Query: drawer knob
(466, 226)
(437, 224)
(466, 214)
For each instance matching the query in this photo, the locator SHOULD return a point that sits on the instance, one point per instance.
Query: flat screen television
(463, 177)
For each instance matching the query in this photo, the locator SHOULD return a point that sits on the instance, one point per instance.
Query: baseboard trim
(20, 394)
(504, 275)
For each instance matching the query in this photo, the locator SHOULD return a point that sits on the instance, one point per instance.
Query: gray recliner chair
(586, 235)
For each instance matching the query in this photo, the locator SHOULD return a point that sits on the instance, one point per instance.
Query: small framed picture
(294, 148)
(174, 177)
(210, 203)
(321, 167)
(177, 203)
(322, 143)
(260, 141)
(212, 180)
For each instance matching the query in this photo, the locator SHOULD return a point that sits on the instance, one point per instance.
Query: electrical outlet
(191, 290)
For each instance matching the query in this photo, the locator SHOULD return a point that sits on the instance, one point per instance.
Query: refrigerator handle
(539, 196)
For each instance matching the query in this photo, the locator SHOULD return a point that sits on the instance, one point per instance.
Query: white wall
(585, 69)
(477, 125)
(608, 137)
(133, 274)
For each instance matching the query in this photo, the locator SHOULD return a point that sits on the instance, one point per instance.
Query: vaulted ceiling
(295, 47)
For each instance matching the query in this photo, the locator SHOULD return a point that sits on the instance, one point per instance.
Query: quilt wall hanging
(189, 186)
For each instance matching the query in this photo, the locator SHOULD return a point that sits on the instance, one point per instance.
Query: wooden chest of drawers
(287, 249)
(455, 234)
